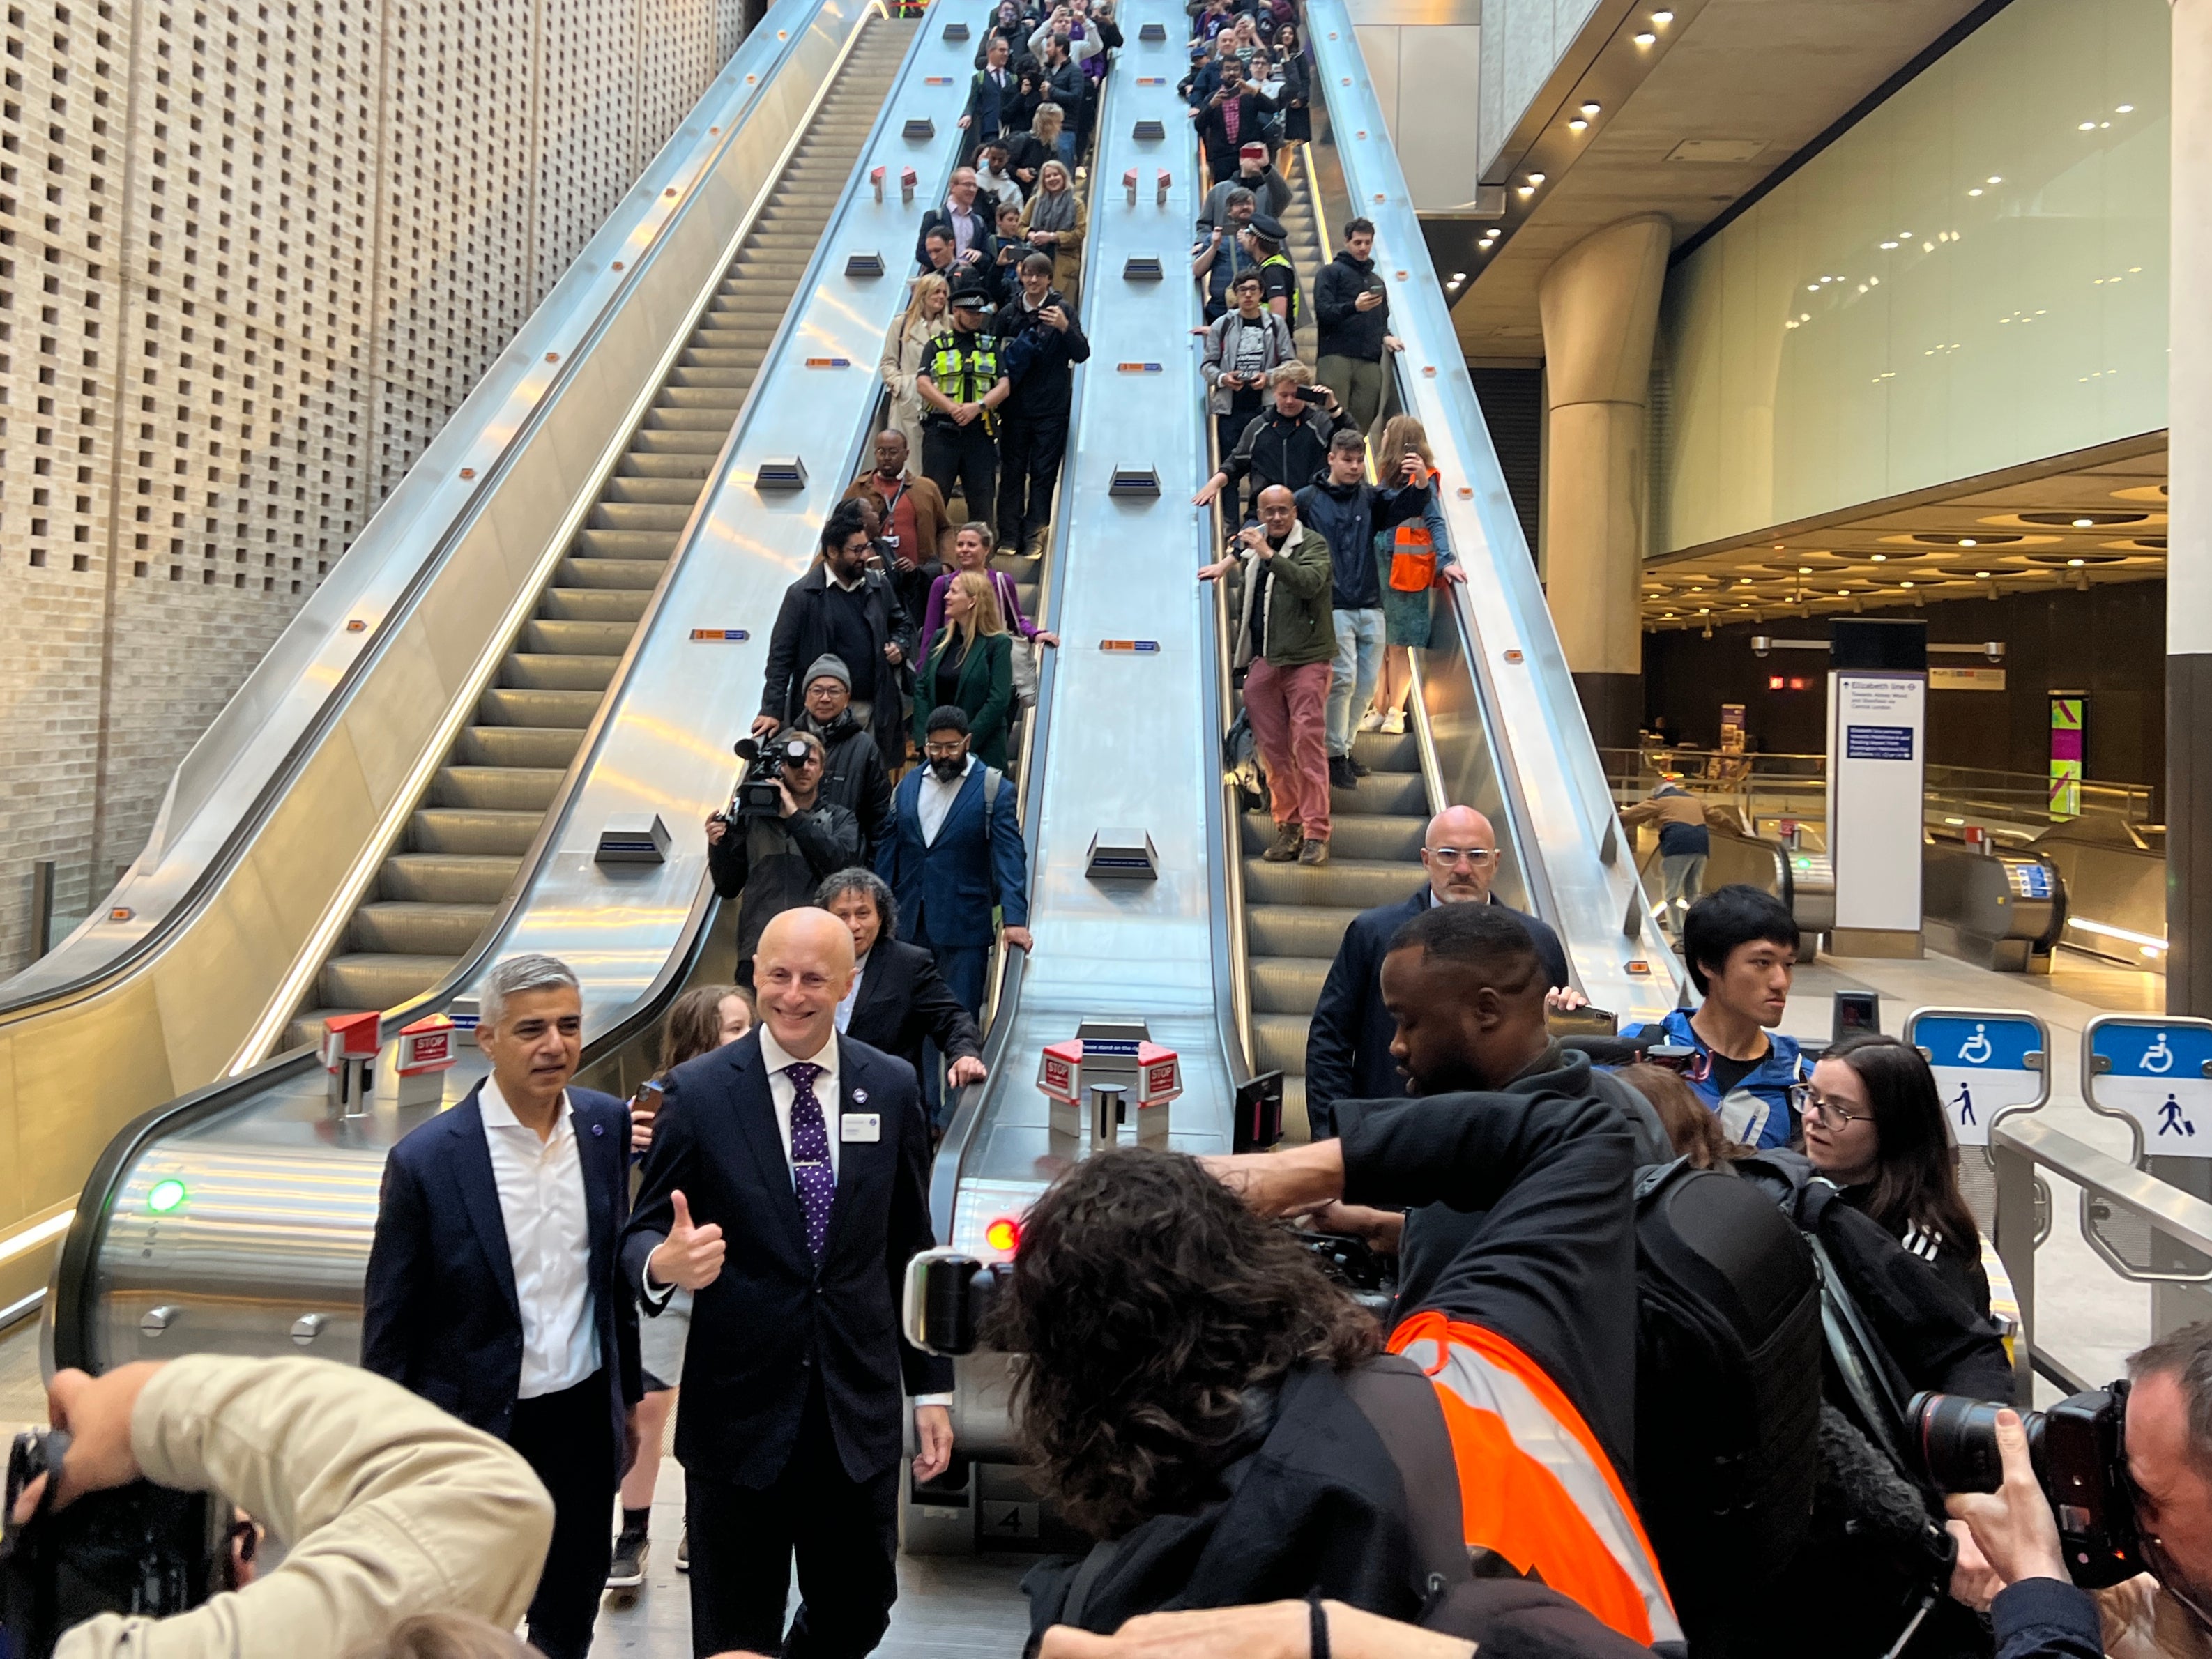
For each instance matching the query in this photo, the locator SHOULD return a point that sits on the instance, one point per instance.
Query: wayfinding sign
(2154, 1071)
(1989, 1063)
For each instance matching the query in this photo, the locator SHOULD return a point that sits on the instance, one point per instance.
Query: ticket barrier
(1998, 907)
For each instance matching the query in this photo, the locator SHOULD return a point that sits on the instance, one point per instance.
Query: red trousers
(1288, 709)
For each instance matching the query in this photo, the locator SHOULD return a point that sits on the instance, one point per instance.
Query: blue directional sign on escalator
(1989, 1063)
(2154, 1070)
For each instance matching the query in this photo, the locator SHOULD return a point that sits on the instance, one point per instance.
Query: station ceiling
(2095, 516)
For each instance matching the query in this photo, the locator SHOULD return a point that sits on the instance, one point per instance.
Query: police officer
(961, 386)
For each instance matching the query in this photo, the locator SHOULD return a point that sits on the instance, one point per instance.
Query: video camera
(758, 793)
(2079, 1450)
(139, 1549)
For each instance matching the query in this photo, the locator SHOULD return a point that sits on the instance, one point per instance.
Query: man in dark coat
(854, 776)
(1348, 1045)
(841, 608)
(899, 1000)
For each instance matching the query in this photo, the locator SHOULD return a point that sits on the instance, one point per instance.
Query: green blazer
(987, 692)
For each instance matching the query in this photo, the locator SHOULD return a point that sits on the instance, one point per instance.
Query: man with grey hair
(898, 1001)
(494, 1289)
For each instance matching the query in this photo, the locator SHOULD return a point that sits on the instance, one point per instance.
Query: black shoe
(1288, 837)
(1314, 853)
(627, 1571)
(1340, 774)
(1358, 770)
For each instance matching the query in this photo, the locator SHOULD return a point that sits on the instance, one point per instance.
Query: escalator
(439, 890)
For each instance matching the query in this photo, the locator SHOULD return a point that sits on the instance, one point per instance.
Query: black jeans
(843, 1531)
(567, 1440)
(969, 453)
(1029, 452)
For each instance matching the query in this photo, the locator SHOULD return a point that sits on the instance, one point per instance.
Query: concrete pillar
(1599, 302)
(2189, 534)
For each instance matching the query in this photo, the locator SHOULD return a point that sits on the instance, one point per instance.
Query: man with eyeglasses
(1741, 947)
(1348, 1044)
(772, 862)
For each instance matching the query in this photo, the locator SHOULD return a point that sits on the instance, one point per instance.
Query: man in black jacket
(1348, 1045)
(774, 864)
(1351, 310)
(1043, 343)
(898, 1000)
(989, 98)
(855, 778)
(843, 609)
(1288, 445)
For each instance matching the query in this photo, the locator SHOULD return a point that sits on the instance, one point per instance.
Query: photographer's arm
(390, 1506)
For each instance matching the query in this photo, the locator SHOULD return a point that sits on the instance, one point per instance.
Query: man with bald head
(786, 1187)
(1348, 1045)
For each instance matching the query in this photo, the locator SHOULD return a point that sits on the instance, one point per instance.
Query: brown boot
(1288, 837)
(1313, 853)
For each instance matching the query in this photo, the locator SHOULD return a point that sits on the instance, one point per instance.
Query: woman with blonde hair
(903, 353)
(1033, 148)
(1413, 557)
(970, 665)
(1054, 223)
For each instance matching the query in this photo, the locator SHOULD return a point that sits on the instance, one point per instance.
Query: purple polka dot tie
(810, 1154)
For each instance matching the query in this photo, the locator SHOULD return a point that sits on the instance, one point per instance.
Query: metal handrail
(2018, 1146)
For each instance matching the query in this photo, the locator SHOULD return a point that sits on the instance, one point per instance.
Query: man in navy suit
(495, 1285)
(1348, 1044)
(786, 1187)
(955, 853)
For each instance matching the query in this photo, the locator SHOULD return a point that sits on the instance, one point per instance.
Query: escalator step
(471, 830)
(497, 789)
(1343, 884)
(518, 745)
(533, 670)
(624, 544)
(647, 441)
(446, 878)
(1287, 985)
(565, 636)
(1283, 930)
(502, 705)
(639, 574)
(663, 419)
(737, 378)
(717, 401)
(692, 467)
(660, 491)
(660, 517)
(1357, 836)
(377, 981)
(1278, 1042)
(405, 928)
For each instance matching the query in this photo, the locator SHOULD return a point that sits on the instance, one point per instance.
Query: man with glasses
(1348, 1044)
(1741, 947)
(771, 862)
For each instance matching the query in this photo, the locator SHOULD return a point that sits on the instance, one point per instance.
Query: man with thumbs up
(786, 1187)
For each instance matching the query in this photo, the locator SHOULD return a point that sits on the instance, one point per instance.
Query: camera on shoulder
(759, 794)
(136, 1550)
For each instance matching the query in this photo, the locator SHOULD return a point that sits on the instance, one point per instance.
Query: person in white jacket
(388, 1507)
(903, 353)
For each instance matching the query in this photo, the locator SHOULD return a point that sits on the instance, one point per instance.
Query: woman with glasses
(1875, 1126)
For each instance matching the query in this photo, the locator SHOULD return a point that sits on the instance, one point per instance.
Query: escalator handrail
(460, 435)
(69, 1303)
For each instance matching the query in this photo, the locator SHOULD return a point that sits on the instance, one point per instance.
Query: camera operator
(772, 862)
(390, 1508)
(2163, 1613)
(1287, 445)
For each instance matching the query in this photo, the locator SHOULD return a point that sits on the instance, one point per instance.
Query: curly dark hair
(1146, 1301)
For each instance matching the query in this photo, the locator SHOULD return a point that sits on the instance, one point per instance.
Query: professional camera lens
(1954, 1441)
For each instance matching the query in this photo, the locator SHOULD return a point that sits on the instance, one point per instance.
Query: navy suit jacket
(945, 890)
(775, 1323)
(440, 1316)
(1348, 1044)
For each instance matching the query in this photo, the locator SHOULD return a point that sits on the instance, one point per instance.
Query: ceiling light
(1525, 191)
(1591, 109)
(1975, 191)
(1888, 247)
(1804, 569)
(2087, 126)
(1994, 178)
(1881, 558)
(1646, 38)
(2085, 524)
(1535, 178)
(2075, 565)
(1982, 574)
(1578, 126)
(1904, 584)
(1968, 541)
(2124, 109)
(1663, 18)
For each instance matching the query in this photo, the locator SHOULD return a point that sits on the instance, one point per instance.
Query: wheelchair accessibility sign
(2155, 1071)
(1989, 1063)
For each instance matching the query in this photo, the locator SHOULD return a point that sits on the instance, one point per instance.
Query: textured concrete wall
(252, 256)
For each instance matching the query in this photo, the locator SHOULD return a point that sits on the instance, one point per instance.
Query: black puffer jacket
(1346, 331)
(855, 778)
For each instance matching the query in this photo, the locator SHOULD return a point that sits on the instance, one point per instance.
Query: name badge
(860, 1126)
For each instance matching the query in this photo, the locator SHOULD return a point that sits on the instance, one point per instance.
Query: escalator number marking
(1141, 646)
(1138, 369)
(730, 635)
(829, 362)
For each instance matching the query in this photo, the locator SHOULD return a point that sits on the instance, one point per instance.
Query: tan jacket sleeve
(389, 1506)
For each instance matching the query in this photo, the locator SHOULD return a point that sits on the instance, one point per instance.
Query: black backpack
(1727, 1396)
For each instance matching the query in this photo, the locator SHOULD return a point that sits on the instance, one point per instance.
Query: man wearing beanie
(854, 776)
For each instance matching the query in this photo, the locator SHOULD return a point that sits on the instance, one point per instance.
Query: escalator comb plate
(1134, 481)
(919, 130)
(1153, 32)
(1150, 132)
(865, 264)
(1143, 268)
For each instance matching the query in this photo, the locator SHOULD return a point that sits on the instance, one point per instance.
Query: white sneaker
(1372, 720)
(1394, 723)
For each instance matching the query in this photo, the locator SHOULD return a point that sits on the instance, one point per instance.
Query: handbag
(1025, 671)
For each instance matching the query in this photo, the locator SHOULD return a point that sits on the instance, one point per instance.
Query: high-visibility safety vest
(964, 376)
(1535, 1488)
(1278, 259)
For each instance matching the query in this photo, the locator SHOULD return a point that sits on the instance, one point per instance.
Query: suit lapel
(479, 1187)
(755, 1111)
(855, 1093)
(591, 1152)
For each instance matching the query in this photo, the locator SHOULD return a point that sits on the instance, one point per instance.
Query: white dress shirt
(937, 798)
(852, 998)
(548, 1240)
(781, 1092)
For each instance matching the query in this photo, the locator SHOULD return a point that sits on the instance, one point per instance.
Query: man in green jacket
(1288, 638)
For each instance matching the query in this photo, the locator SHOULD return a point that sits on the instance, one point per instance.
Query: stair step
(471, 830)
(628, 489)
(1286, 930)
(446, 878)
(716, 400)
(691, 468)
(541, 670)
(1278, 1042)
(1341, 883)
(735, 380)
(566, 637)
(543, 746)
(406, 928)
(517, 705)
(639, 575)
(674, 418)
(597, 604)
(1286, 985)
(662, 518)
(376, 981)
(648, 440)
(596, 543)
(497, 789)
(1355, 835)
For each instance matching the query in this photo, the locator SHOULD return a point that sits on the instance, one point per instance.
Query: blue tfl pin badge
(860, 1097)
(598, 1128)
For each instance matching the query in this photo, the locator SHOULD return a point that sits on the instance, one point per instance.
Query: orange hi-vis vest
(1535, 1488)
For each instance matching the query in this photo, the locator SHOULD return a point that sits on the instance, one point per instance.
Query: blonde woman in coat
(903, 353)
(1054, 223)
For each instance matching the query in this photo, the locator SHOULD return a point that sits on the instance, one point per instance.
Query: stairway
(1305, 251)
(439, 890)
(1295, 917)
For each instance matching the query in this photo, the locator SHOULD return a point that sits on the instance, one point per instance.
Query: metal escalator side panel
(1548, 765)
(251, 745)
